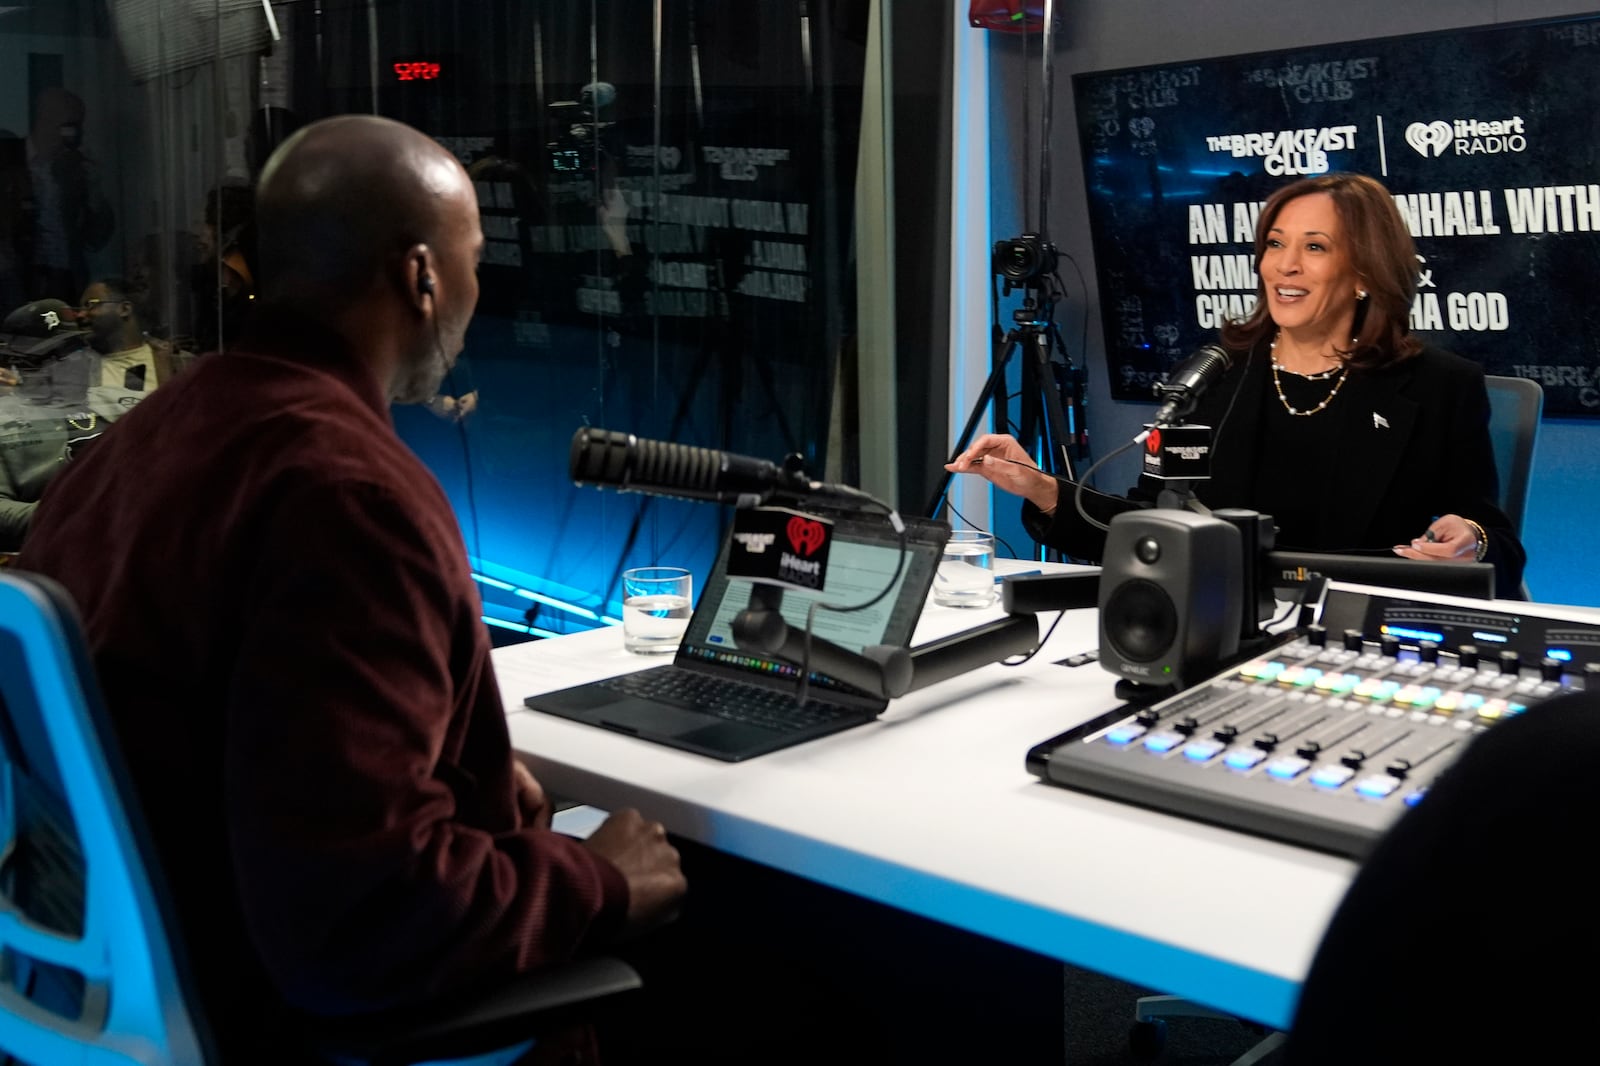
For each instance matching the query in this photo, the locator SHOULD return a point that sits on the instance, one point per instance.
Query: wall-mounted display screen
(1487, 138)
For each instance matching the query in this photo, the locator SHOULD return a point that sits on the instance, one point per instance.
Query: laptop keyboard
(725, 698)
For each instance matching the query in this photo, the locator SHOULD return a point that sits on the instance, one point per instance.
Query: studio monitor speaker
(1171, 596)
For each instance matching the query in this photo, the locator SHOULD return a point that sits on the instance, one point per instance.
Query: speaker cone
(1140, 621)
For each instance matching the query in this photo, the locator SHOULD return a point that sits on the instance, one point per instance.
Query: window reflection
(665, 189)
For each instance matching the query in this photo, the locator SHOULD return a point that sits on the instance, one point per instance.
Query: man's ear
(420, 275)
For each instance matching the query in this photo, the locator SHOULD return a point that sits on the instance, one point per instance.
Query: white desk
(930, 809)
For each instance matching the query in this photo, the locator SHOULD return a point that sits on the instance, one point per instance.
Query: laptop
(719, 700)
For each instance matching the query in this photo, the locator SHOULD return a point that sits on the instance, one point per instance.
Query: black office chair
(1515, 408)
(92, 965)
(1471, 921)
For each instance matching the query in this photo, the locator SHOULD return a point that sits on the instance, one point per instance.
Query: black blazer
(1416, 435)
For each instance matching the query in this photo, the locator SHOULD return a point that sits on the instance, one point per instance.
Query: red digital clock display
(416, 70)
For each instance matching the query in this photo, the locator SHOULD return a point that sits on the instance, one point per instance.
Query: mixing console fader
(1327, 738)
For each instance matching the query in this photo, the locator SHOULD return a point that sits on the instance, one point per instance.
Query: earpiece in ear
(425, 284)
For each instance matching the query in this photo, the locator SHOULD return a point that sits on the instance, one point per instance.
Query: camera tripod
(1043, 427)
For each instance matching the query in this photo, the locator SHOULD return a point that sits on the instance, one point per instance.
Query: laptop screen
(863, 557)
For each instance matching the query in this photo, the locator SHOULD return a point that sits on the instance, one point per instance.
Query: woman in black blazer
(1332, 418)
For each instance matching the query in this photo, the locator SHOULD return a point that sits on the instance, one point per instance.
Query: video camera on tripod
(1023, 261)
(1050, 425)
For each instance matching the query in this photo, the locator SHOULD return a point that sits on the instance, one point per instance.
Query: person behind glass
(1353, 434)
(223, 278)
(49, 413)
(128, 358)
(70, 215)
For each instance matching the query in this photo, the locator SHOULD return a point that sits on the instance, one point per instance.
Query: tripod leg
(990, 390)
(1049, 395)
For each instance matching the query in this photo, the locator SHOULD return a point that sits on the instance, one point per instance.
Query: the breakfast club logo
(1467, 136)
(1287, 152)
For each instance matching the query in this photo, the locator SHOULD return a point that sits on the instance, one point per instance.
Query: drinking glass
(966, 572)
(655, 608)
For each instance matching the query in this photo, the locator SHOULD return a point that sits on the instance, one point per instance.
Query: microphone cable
(998, 539)
(1077, 494)
(803, 689)
(1042, 641)
(475, 560)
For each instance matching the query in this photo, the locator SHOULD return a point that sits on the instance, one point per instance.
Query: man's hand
(531, 800)
(9, 376)
(640, 850)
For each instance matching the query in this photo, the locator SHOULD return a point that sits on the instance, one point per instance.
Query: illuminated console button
(1337, 684)
(1493, 709)
(1244, 758)
(1201, 750)
(1290, 675)
(1288, 767)
(1253, 668)
(1414, 798)
(1377, 786)
(1309, 676)
(1471, 701)
(1449, 701)
(1124, 734)
(1418, 697)
(1163, 742)
(1513, 709)
(1331, 776)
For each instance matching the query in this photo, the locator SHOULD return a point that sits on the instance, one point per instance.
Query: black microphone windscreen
(621, 460)
(1189, 380)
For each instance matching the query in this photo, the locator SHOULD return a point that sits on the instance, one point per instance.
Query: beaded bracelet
(1483, 540)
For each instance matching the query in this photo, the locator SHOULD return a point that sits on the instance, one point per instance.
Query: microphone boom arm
(883, 670)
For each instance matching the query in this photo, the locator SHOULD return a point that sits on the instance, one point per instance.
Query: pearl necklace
(1337, 373)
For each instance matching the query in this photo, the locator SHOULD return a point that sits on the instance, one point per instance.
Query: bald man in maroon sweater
(279, 604)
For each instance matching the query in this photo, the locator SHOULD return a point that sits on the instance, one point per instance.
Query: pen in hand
(979, 459)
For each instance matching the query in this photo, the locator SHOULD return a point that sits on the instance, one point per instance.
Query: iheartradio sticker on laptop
(780, 547)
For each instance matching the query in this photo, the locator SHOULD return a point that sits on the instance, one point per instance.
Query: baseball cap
(41, 331)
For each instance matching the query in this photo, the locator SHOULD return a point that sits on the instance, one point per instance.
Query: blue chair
(1515, 408)
(92, 965)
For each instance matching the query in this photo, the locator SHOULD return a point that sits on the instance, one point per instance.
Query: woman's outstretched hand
(1004, 463)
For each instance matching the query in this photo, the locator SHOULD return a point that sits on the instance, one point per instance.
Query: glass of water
(655, 608)
(966, 573)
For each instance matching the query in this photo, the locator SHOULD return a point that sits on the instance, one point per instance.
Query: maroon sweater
(289, 640)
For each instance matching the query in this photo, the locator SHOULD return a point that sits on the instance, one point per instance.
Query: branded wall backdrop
(1488, 138)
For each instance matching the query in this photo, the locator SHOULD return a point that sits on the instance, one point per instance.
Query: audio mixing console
(1327, 738)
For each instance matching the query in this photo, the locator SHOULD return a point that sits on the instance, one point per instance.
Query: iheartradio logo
(1430, 138)
(1467, 136)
